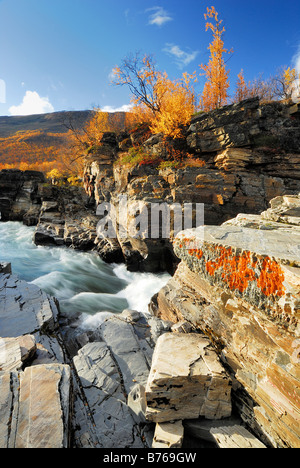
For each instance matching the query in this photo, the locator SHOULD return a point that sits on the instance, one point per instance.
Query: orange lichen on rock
(237, 270)
(198, 253)
(271, 278)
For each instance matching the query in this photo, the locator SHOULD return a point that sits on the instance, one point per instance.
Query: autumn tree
(84, 138)
(141, 76)
(165, 104)
(243, 90)
(215, 93)
(177, 106)
(286, 83)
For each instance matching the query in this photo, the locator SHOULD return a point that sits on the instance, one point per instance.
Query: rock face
(34, 401)
(19, 198)
(42, 420)
(108, 370)
(239, 283)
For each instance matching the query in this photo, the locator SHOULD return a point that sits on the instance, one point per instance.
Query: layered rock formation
(250, 154)
(239, 284)
(19, 197)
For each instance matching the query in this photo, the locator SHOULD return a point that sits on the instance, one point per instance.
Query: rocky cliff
(250, 153)
(121, 385)
(239, 158)
(240, 284)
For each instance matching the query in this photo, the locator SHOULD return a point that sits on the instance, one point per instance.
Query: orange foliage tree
(243, 90)
(215, 93)
(177, 106)
(166, 105)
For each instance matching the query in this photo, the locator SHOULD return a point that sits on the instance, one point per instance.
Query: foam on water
(81, 282)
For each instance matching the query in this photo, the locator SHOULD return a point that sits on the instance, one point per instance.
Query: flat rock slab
(186, 380)
(34, 407)
(129, 348)
(168, 435)
(15, 351)
(235, 437)
(24, 308)
(280, 245)
(101, 384)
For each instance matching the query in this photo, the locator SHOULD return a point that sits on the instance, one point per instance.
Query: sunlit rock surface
(240, 284)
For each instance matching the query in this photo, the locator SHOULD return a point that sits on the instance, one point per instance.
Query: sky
(59, 55)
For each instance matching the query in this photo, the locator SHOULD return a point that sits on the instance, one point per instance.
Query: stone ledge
(261, 267)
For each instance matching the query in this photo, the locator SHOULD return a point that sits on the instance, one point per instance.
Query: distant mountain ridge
(49, 123)
(44, 141)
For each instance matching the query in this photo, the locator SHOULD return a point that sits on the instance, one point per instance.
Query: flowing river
(81, 282)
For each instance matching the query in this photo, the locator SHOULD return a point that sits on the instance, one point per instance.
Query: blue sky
(58, 54)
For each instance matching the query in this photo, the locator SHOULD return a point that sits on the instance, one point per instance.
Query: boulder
(186, 380)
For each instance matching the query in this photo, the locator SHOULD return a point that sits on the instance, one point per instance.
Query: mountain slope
(50, 123)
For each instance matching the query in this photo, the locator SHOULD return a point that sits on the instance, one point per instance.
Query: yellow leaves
(166, 105)
(54, 174)
(290, 75)
(177, 106)
(215, 91)
(243, 90)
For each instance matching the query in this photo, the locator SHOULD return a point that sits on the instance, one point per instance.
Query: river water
(81, 281)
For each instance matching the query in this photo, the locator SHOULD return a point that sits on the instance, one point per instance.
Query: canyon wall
(240, 157)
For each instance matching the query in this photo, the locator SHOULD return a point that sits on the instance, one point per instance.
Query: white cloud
(124, 108)
(159, 16)
(181, 58)
(296, 84)
(296, 60)
(32, 103)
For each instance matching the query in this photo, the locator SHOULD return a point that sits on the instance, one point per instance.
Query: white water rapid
(81, 282)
